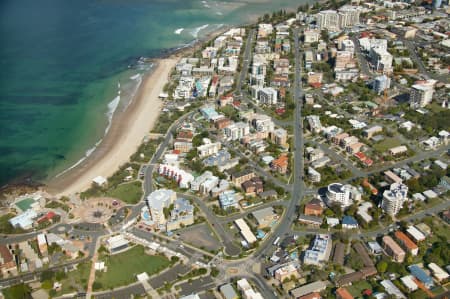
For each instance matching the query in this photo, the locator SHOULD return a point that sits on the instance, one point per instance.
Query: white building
(245, 231)
(421, 94)
(342, 195)
(394, 198)
(348, 16)
(313, 175)
(157, 201)
(408, 282)
(265, 95)
(311, 36)
(208, 148)
(438, 272)
(320, 250)
(381, 59)
(328, 19)
(183, 178)
(237, 130)
(314, 123)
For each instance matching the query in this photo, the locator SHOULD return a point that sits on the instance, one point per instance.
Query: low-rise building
(314, 208)
(421, 275)
(313, 175)
(407, 243)
(398, 150)
(281, 164)
(265, 217)
(393, 249)
(409, 283)
(415, 234)
(228, 199)
(317, 286)
(116, 243)
(286, 272)
(320, 250)
(240, 177)
(438, 272)
(7, 263)
(228, 291)
(245, 231)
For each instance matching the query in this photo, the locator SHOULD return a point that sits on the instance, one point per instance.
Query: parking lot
(200, 236)
(196, 286)
(169, 275)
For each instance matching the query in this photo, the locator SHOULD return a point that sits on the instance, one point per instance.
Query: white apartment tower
(394, 198)
(348, 16)
(328, 19)
(421, 94)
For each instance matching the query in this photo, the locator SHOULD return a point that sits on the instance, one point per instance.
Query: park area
(122, 268)
(387, 144)
(129, 193)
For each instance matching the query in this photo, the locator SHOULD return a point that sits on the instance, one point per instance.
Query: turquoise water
(61, 62)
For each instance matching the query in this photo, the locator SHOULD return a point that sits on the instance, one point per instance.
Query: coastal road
(148, 176)
(246, 62)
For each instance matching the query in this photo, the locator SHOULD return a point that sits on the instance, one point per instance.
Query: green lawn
(123, 267)
(130, 193)
(387, 144)
(76, 280)
(358, 287)
(17, 291)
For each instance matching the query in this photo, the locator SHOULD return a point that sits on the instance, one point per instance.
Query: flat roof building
(408, 282)
(245, 231)
(421, 275)
(438, 272)
(393, 249)
(415, 234)
(407, 243)
(317, 286)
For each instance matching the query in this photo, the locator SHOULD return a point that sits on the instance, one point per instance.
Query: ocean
(63, 64)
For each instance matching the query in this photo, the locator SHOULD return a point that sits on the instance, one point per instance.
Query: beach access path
(124, 137)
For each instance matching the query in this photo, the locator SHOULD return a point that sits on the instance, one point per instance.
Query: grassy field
(130, 193)
(123, 267)
(387, 144)
(17, 291)
(75, 280)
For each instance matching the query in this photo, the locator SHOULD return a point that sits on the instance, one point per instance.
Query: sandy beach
(124, 137)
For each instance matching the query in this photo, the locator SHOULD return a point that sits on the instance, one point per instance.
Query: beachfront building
(164, 211)
(183, 178)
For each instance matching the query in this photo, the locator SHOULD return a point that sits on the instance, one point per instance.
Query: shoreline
(125, 135)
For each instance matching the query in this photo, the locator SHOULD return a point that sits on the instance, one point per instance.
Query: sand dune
(124, 137)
